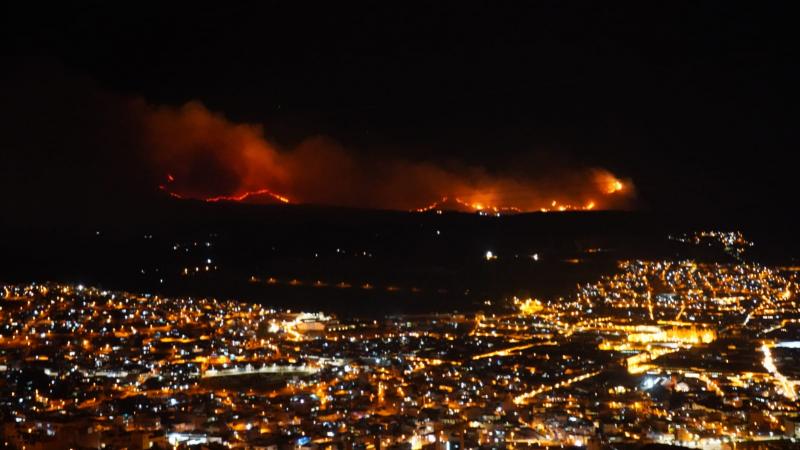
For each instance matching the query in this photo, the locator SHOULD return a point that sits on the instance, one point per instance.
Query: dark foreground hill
(352, 261)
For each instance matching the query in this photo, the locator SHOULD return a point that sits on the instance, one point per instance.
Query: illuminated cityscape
(701, 355)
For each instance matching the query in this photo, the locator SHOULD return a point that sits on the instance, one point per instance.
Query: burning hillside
(207, 157)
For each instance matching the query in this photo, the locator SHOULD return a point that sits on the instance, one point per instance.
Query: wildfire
(606, 186)
(608, 183)
(443, 204)
(204, 156)
(555, 206)
(244, 196)
(432, 206)
(458, 204)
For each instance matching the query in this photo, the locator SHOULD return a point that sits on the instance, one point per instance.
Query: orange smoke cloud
(205, 156)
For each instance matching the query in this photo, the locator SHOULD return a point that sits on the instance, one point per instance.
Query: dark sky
(694, 103)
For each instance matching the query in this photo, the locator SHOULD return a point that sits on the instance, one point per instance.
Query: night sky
(694, 104)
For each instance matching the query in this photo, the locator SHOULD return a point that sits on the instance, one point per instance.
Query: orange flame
(246, 195)
(229, 198)
(609, 183)
(554, 206)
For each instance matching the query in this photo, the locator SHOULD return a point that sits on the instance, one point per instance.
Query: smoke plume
(73, 149)
(202, 155)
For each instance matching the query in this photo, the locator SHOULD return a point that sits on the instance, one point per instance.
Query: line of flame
(477, 206)
(231, 198)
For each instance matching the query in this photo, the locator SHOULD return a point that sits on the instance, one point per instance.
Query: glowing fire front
(242, 197)
(609, 186)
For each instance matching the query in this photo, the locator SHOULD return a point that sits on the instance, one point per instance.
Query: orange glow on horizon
(458, 203)
(443, 204)
(246, 195)
(227, 198)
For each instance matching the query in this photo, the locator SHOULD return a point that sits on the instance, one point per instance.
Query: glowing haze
(202, 155)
